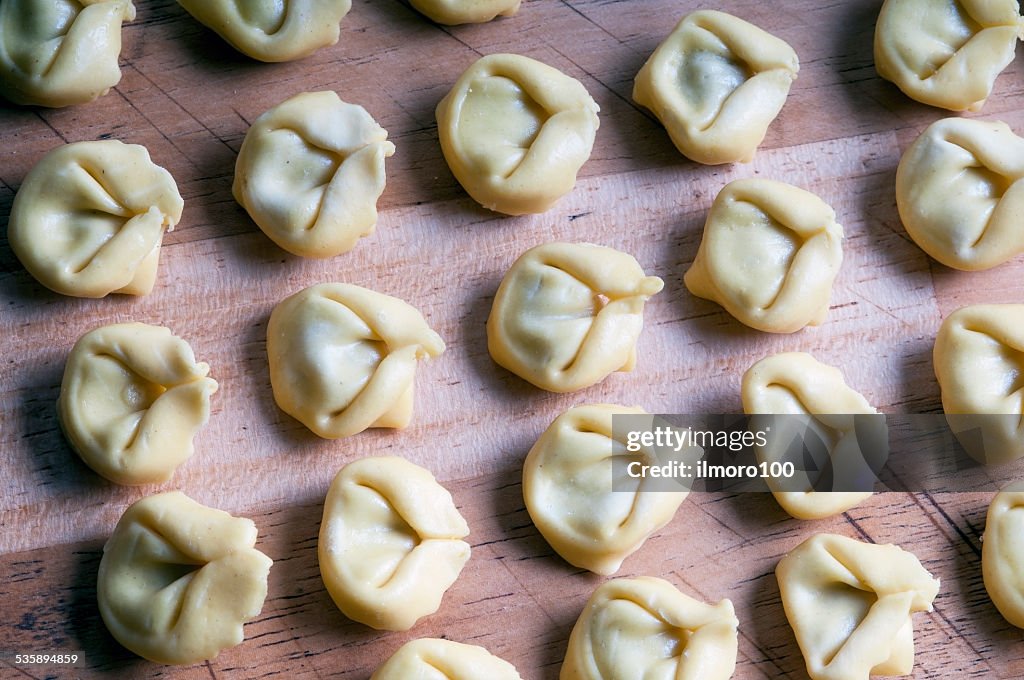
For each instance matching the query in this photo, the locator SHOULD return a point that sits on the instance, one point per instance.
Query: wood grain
(189, 98)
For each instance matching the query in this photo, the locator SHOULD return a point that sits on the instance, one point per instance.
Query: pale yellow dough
(60, 52)
(515, 132)
(454, 12)
(769, 255)
(1002, 553)
(716, 83)
(390, 542)
(640, 628)
(438, 659)
(795, 383)
(310, 171)
(567, 315)
(979, 358)
(89, 218)
(946, 53)
(567, 487)
(960, 194)
(849, 604)
(343, 358)
(178, 579)
(272, 30)
(132, 399)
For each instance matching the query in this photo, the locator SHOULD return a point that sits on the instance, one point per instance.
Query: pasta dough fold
(716, 84)
(849, 604)
(60, 52)
(946, 53)
(390, 542)
(795, 383)
(960, 194)
(343, 358)
(310, 171)
(131, 401)
(178, 579)
(440, 659)
(90, 216)
(454, 12)
(515, 132)
(567, 315)
(769, 255)
(979, 358)
(635, 628)
(568, 490)
(272, 30)
(1002, 553)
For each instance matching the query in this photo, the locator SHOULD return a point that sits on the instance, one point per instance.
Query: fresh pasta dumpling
(849, 604)
(645, 627)
(568, 490)
(89, 218)
(946, 53)
(132, 398)
(454, 12)
(796, 384)
(310, 171)
(979, 358)
(716, 84)
(1002, 553)
(567, 315)
(60, 52)
(272, 30)
(343, 358)
(769, 255)
(960, 194)
(440, 659)
(178, 580)
(515, 132)
(390, 542)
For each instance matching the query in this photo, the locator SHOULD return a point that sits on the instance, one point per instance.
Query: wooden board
(189, 98)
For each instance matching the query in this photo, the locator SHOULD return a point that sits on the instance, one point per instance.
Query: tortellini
(178, 579)
(89, 218)
(272, 30)
(795, 384)
(849, 604)
(635, 628)
(960, 195)
(769, 255)
(716, 84)
(1002, 553)
(132, 398)
(515, 132)
(440, 659)
(60, 52)
(310, 171)
(454, 12)
(390, 542)
(946, 53)
(979, 358)
(343, 358)
(568, 490)
(567, 315)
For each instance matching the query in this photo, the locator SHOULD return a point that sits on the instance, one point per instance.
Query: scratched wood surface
(189, 99)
